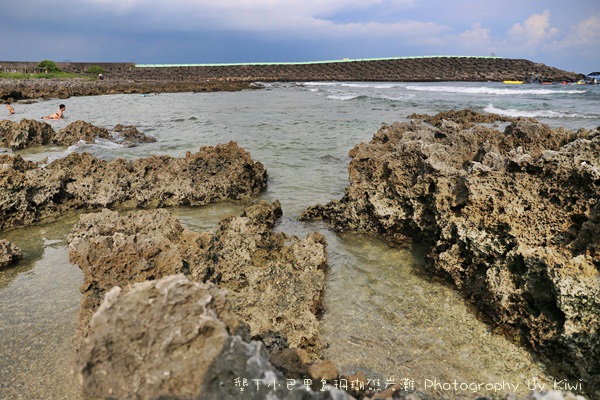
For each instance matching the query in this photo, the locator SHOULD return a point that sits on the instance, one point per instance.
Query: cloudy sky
(559, 33)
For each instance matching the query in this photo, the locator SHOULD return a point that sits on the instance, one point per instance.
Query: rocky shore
(31, 192)
(225, 314)
(15, 90)
(511, 218)
(264, 286)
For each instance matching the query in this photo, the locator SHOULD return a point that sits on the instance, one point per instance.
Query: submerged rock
(79, 131)
(274, 281)
(129, 135)
(9, 253)
(31, 192)
(172, 338)
(512, 219)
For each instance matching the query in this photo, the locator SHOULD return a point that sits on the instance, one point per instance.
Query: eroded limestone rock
(79, 131)
(30, 192)
(512, 219)
(173, 338)
(26, 133)
(274, 281)
(9, 253)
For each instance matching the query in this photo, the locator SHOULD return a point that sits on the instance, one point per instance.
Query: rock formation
(9, 253)
(274, 281)
(173, 338)
(129, 135)
(27, 133)
(77, 131)
(30, 192)
(512, 218)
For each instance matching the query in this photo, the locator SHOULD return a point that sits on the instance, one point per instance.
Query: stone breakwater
(426, 69)
(31, 192)
(127, 78)
(512, 219)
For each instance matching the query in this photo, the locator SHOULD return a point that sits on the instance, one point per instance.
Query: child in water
(58, 114)
(10, 109)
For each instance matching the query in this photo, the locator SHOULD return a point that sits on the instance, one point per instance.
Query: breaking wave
(533, 113)
(489, 90)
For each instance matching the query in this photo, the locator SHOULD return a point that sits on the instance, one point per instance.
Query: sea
(383, 316)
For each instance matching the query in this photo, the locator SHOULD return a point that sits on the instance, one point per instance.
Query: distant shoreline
(131, 78)
(30, 89)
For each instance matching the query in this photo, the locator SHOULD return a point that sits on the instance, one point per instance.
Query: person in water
(58, 114)
(10, 109)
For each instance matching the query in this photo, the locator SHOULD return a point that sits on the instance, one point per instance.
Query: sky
(559, 33)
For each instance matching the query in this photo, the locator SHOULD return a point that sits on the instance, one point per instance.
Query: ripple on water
(386, 318)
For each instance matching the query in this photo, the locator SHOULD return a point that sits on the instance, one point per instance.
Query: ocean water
(383, 315)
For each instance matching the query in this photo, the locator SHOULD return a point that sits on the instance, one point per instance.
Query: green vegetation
(20, 75)
(48, 67)
(95, 70)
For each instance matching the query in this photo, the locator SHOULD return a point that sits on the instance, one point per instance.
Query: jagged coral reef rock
(173, 338)
(26, 133)
(512, 219)
(32, 192)
(84, 131)
(464, 118)
(274, 281)
(129, 135)
(9, 254)
(79, 131)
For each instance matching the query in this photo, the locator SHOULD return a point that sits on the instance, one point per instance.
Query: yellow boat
(513, 82)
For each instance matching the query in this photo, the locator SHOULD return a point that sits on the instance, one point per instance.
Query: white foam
(532, 114)
(343, 97)
(368, 85)
(489, 90)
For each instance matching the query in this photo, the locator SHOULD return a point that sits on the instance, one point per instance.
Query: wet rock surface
(28, 133)
(173, 338)
(274, 281)
(30, 192)
(512, 219)
(9, 253)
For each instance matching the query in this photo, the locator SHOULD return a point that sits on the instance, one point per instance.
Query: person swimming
(11, 110)
(58, 114)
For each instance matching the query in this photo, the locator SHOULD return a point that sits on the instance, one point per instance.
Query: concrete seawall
(409, 69)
